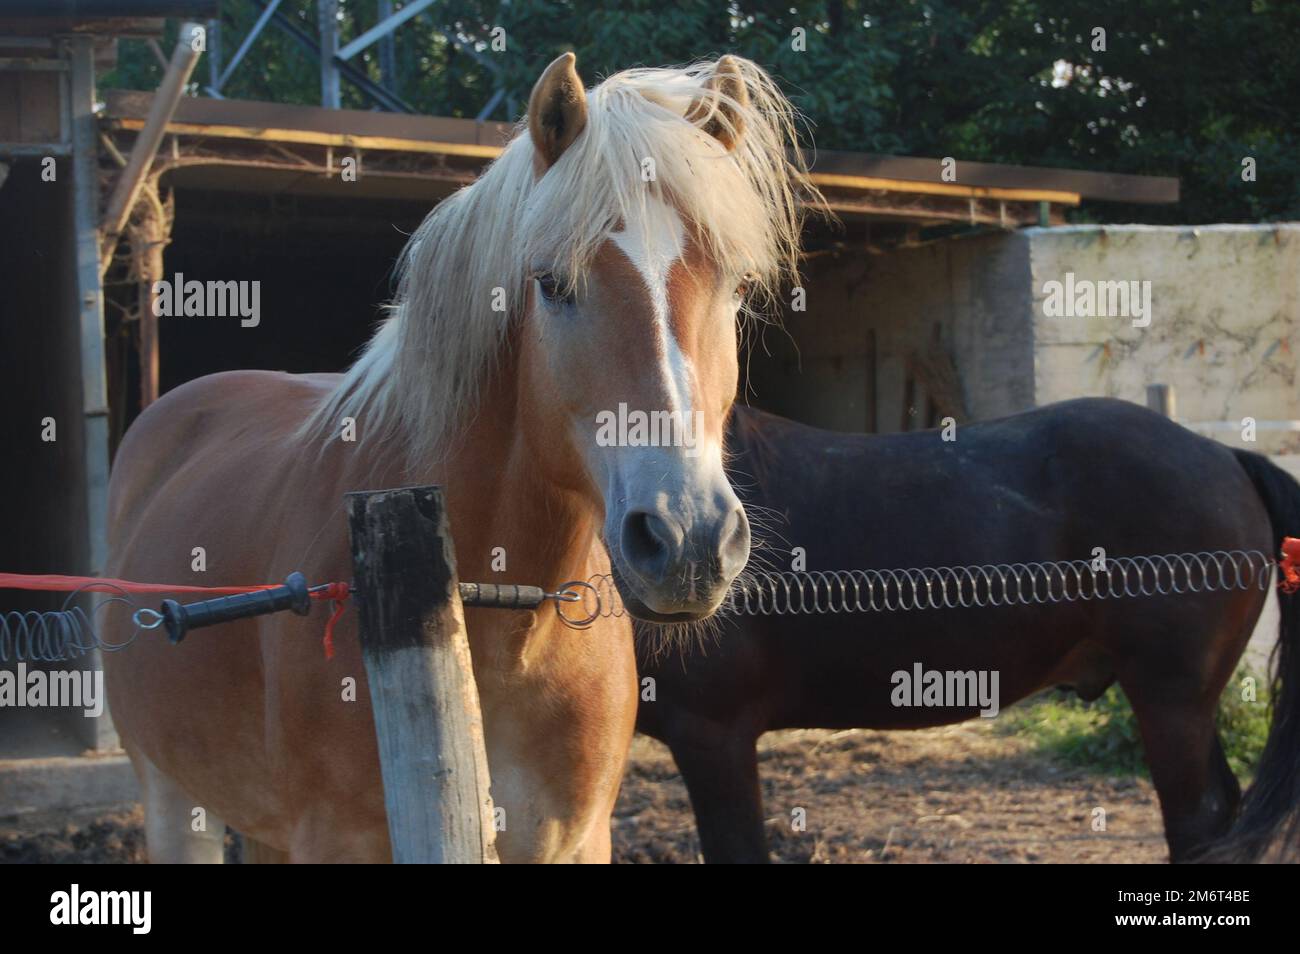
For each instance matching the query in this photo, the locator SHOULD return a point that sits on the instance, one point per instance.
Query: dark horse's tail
(1270, 812)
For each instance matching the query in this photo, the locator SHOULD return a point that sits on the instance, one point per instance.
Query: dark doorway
(325, 267)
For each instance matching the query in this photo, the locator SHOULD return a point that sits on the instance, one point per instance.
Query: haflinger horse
(566, 281)
(1048, 484)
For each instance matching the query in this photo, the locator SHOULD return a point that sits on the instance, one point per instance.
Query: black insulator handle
(502, 595)
(180, 619)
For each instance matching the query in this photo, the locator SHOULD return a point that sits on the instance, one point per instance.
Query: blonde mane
(464, 271)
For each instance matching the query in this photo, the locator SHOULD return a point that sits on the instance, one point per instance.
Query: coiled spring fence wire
(779, 593)
(64, 634)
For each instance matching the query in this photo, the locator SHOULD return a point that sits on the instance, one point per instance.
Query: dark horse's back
(1050, 484)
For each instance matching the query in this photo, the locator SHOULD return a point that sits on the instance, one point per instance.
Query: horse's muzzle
(669, 570)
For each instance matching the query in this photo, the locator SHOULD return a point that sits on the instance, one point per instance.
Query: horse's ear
(557, 109)
(721, 118)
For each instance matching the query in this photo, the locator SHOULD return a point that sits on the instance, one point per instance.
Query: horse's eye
(742, 290)
(549, 286)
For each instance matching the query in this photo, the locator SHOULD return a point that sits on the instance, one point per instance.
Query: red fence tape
(54, 583)
(1290, 565)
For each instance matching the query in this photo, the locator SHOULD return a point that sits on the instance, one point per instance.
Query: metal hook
(568, 593)
(146, 618)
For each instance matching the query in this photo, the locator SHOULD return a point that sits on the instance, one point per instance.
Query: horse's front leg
(177, 829)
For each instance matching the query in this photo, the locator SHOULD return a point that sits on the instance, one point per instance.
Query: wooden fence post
(426, 706)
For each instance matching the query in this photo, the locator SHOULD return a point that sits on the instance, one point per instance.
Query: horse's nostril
(649, 543)
(733, 543)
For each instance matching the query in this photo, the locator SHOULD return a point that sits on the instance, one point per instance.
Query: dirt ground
(956, 794)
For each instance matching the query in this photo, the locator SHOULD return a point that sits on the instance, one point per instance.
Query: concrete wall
(1224, 310)
(1222, 328)
(849, 362)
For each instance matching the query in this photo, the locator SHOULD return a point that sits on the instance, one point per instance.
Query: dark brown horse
(1049, 484)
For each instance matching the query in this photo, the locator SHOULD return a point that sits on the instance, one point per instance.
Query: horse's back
(908, 497)
(185, 447)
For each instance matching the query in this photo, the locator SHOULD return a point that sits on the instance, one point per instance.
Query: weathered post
(1160, 398)
(426, 706)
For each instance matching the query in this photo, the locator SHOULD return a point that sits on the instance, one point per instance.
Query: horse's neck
(509, 523)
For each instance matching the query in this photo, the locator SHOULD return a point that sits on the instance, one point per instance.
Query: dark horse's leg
(1198, 792)
(722, 779)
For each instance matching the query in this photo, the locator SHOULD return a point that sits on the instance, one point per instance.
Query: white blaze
(653, 248)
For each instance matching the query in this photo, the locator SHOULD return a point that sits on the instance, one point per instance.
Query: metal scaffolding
(337, 58)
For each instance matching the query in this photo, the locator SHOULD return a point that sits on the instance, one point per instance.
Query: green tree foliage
(1178, 87)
